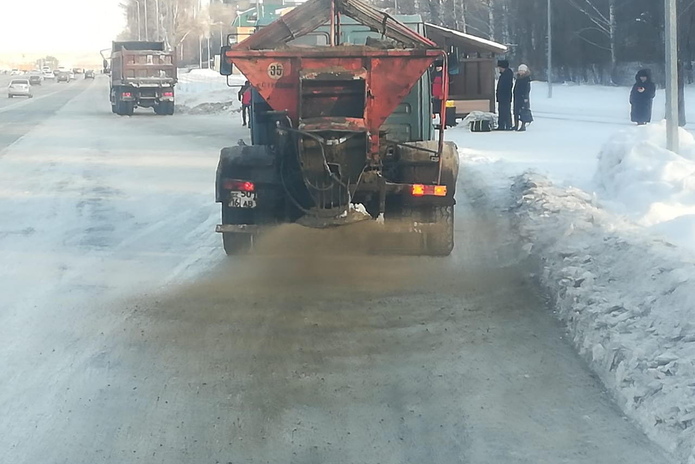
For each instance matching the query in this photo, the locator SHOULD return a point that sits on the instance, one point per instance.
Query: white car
(49, 75)
(19, 88)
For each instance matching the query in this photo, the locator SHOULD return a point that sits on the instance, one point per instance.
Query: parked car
(19, 88)
(63, 76)
(89, 74)
(35, 79)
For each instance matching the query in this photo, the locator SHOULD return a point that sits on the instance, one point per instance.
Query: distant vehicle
(63, 76)
(36, 79)
(19, 88)
(78, 70)
(72, 74)
(143, 74)
(15, 72)
(89, 74)
(48, 74)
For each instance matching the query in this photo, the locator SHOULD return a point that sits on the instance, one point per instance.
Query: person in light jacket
(522, 101)
(641, 98)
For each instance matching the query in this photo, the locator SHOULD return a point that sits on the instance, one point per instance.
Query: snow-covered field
(605, 215)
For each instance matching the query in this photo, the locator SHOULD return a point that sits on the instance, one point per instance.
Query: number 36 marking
(275, 70)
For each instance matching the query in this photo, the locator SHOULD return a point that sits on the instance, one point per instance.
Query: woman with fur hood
(641, 98)
(522, 97)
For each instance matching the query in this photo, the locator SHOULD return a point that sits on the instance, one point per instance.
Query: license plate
(242, 199)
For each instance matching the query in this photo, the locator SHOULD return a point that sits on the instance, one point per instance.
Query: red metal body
(320, 87)
(388, 76)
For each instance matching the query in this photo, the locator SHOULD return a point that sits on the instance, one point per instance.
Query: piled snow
(628, 302)
(614, 255)
(205, 91)
(654, 186)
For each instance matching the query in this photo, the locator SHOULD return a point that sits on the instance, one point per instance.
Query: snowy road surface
(128, 337)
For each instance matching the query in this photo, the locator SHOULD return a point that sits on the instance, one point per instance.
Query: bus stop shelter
(472, 63)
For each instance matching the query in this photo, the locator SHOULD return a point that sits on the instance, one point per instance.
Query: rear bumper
(237, 228)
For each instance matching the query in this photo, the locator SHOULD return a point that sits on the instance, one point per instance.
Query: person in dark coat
(504, 96)
(522, 98)
(641, 98)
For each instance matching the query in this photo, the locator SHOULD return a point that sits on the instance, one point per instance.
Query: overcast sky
(52, 26)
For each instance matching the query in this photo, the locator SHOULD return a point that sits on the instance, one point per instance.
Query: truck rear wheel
(125, 108)
(439, 241)
(438, 228)
(164, 108)
(234, 243)
(237, 244)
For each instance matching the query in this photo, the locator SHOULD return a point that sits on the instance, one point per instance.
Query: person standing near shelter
(245, 99)
(641, 98)
(522, 95)
(437, 89)
(504, 96)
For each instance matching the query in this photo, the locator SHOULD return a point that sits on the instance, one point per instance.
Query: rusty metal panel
(315, 13)
(391, 74)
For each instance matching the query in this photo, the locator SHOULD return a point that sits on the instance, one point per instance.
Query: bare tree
(601, 13)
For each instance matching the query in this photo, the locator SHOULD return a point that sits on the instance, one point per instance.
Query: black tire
(113, 108)
(128, 108)
(440, 241)
(10, 96)
(438, 237)
(234, 244)
(169, 108)
(237, 244)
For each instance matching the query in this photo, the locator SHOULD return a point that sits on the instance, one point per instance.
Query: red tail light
(238, 185)
(420, 190)
(167, 94)
(126, 94)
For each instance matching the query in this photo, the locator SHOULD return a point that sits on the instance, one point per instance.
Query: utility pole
(671, 40)
(156, 13)
(550, 50)
(147, 37)
(138, 15)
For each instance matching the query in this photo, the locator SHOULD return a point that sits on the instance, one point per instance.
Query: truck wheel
(158, 109)
(237, 244)
(234, 244)
(169, 108)
(438, 234)
(113, 108)
(440, 240)
(128, 108)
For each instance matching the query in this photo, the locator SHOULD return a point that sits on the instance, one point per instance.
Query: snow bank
(654, 186)
(627, 299)
(204, 91)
